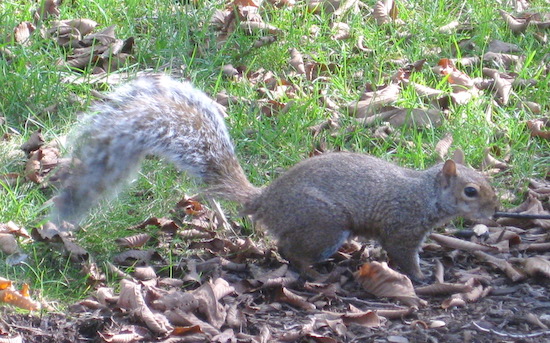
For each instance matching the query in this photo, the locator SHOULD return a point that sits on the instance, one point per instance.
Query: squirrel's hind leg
(302, 251)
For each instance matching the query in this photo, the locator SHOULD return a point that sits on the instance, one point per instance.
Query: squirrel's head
(473, 196)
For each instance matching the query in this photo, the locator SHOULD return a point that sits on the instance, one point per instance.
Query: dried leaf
(476, 291)
(455, 243)
(369, 319)
(399, 117)
(443, 288)
(47, 8)
(35, 141)
(516, 25)
(427, 92)
(296, 61)
(132, 257)
(253, 27)
(499, 46)
(342, 31)
(264, 40)
(531, 205)
(381, 281)
(443, 145)
(502, 60)
(11, 228)
(144, 273)
(126, 334)
(21, 298)
(22, 32)
(83, 26)
(283, 294)
(371, 102)
(538, 128)
(537, 266)
(131, 298)
(383, 11)
(8, 244)
(512, 273)
(134, 241)
(459, 81)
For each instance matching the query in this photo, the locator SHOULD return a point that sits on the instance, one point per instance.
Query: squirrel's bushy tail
(152, 115)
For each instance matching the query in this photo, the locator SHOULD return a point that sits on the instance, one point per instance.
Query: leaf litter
(232, 289)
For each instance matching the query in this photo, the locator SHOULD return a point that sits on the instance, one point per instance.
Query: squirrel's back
(152, 115)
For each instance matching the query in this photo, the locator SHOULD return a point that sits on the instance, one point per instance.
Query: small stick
(521, 215)
(511, 335)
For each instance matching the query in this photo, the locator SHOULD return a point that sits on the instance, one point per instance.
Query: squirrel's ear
(458, 156)
(447, 172)
(449, 168)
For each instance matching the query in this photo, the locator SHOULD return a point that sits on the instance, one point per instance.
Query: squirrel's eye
(470, 192)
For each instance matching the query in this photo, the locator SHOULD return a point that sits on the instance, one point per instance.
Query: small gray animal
(311, 210)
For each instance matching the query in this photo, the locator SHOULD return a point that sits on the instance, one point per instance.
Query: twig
(511, 335)
(521, 215)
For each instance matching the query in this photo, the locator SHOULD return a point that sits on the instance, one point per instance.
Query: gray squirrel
(311, 209)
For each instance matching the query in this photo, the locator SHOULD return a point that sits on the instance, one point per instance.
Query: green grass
(171, 36)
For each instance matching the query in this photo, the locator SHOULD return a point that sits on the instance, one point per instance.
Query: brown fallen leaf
(516, 25)
(372, 101)
(361, 46)
(282, 294)
(9, 295)
(531, 205)
(459, 80)
(8, 244)
(254, 27)
(126, 334)
(41, 162)
(442, 289)
(505, 61)
(132, 299)
(264, 40)
(297, 61)
(537, 266)
(443, 145)
(539, 127)
(410, 117)
(46, 9)
(466, 61)
(35, 141)
(456, 243)
(426, 92)
(381, 281)
(511, 272)
(532, 106)
(476, 291)
(341, 31)
(491, 162)
(83, 26)
(131, 257)
(11, 228)
(450, 27)
(384, 12)
(502, 47)
(23, 32)
(164, 224)
(134, 241)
